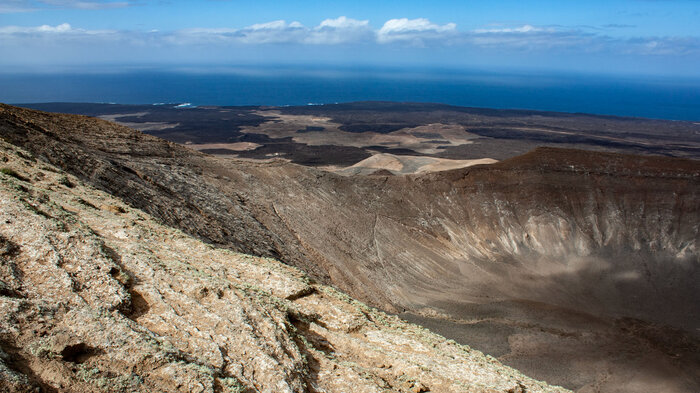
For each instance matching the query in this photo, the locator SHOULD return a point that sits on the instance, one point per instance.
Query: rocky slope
(579, 267)
(98, 296)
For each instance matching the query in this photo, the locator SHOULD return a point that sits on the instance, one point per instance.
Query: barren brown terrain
(576, 267)
(96, 296)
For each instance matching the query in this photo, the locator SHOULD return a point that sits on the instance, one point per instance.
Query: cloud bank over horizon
(344, 30)
(279, 40)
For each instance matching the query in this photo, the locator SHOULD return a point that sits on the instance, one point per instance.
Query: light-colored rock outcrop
(98, 296)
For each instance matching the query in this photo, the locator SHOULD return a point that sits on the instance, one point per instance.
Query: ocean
(663, 98)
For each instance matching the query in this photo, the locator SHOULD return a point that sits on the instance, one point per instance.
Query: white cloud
(340, 30)
(329, 32)
(344, 23)
(577, 40)
(59, 36)
(274, 25)
(531, 38)
(276, 32)
(415, 31)
(343, 30)
(63, 29)
(521, 29)
(660, 46)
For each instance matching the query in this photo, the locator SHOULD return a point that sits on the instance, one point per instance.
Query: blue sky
(656, 37)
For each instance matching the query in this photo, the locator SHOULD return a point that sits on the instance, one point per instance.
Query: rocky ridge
(97, 296)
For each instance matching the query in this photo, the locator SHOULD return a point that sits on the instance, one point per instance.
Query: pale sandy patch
(141, 126)
(404, 165)
(149, 125)
(116, 116)
(426, 139)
